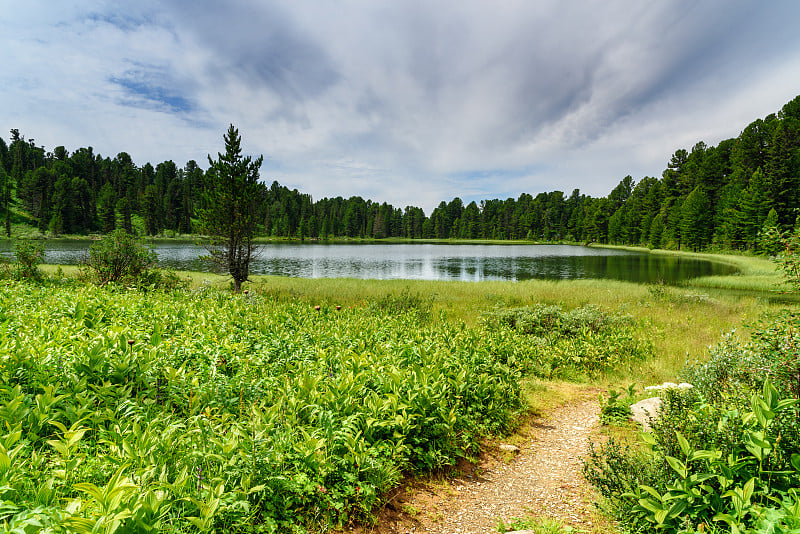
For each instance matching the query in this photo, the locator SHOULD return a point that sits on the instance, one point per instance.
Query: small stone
(509, 448)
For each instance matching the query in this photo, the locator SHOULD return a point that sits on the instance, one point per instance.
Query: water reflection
(430, 261)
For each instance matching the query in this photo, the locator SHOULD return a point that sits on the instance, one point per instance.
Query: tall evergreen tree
(229, 208)
(5, 195)
(755, 204)
(695, 219)
(108, 208)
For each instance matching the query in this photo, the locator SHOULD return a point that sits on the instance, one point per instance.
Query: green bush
(548, 320)
(120, 258)
(616, 409)
(721, 457)
(28, 255)
(773, 352)
(582, 341)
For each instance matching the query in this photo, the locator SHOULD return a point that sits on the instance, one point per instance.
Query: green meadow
(297, 405)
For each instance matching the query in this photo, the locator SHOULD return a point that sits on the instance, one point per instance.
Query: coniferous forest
(717, 197)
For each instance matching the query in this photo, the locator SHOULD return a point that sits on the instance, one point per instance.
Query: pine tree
(5, 194)
(229, 213)
(108, 208)
(695, 219)
(755, 204)
(657, 232)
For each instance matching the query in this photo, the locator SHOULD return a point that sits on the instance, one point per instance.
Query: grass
(679, 322)
(537, 525)
(756, 273)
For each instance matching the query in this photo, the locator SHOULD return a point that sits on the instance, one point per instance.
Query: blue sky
(407, 102)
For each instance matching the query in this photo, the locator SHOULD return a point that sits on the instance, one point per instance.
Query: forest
(708, 197)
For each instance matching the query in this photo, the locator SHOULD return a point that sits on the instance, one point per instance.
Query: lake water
(463, 262)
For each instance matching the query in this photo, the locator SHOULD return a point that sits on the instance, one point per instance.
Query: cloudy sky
(408, 102)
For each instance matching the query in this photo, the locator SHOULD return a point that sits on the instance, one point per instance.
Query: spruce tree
(229, 212)
(695, 218)
(5, 193)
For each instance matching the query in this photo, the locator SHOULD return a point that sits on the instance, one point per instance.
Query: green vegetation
(572, 343)
(540, 526)
(28, 255)
(616, 409)
(723, 456)
(231, 412)
(290, 407)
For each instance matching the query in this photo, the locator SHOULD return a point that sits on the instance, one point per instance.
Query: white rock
(644, 410)
(509, 448)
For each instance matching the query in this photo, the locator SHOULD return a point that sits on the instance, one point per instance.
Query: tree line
(708, 197)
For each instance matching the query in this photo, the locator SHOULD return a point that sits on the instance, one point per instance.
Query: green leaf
(677, 466)
(727, 518)
(684, 444)
(648, 438)
(59, 447)
(796, 461)
(650, 505)
(91, 489)
(5, 462)
(651, 491)
(661, 516)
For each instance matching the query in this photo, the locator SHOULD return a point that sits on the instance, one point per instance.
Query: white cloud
(409, 102)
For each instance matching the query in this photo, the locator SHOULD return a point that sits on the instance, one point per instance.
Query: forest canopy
(707, 197)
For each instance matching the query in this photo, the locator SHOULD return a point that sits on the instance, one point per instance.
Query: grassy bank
(756, 273)
(680, 322)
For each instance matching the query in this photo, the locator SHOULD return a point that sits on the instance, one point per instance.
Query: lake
(425, 261)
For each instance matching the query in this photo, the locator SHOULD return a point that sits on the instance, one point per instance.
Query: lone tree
(228, 216)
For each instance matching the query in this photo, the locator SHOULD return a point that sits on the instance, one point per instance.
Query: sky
(404, 101)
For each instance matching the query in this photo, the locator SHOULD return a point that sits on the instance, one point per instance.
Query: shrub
(28, 255)
(616, 409)
(547, 320)
(120, 258)
(722, 456)
(584, 340)
(216, 412)
(772, 352)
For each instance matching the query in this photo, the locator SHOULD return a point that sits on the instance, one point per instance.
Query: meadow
(298, 405)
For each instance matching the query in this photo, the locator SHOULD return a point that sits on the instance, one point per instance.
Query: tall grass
(681, 322)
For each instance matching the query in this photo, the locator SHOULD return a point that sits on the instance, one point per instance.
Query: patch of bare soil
(543, 480)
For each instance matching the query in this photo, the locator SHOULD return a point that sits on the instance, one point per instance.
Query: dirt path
(542, 480)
